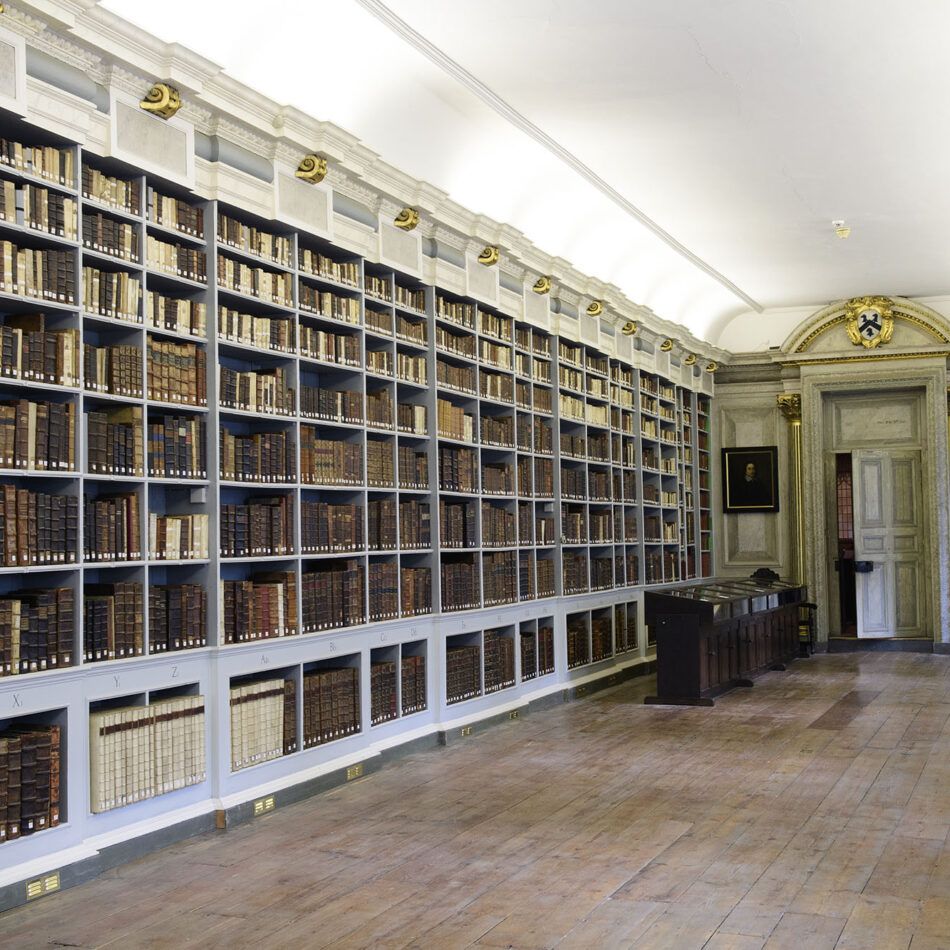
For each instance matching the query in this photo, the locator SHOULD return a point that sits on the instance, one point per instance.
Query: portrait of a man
(750, 479)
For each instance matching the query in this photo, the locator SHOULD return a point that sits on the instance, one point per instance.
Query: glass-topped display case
(714, 636)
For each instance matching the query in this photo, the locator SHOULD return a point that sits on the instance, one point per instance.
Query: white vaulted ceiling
(739, 130)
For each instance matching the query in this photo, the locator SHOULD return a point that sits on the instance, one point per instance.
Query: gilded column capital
(791, 406)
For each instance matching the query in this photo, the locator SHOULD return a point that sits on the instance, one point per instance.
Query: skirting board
(874, 645)
(121, 852)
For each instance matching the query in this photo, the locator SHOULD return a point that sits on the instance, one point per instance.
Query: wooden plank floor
(811, 811)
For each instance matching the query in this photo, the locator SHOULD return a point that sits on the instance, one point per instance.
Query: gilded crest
(870, 321)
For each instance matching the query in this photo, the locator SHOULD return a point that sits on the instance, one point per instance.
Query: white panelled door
(888, 532)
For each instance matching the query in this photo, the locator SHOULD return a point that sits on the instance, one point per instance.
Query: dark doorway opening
(844, 562)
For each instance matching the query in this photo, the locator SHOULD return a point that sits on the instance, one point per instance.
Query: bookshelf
(293, 501)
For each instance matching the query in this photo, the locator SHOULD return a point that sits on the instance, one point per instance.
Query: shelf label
(354, 771)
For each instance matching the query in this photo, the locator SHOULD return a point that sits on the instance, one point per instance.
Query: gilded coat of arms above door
(870, 321)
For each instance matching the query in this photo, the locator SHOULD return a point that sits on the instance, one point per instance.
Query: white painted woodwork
(888, 528)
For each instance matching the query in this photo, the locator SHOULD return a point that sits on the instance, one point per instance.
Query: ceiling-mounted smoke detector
(841, 229)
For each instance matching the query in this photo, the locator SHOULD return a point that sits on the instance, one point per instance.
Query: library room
(474, 475)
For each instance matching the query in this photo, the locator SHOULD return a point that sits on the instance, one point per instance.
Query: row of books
(497, 478)
(412, 369)
(42, 209)
(494, 354)
(103, 233)
(177, 372)
(333, 595)
(43, 161)
(412, 418)
(177, 617)
(537, 652)
(463, 673)
(258, 722)
(179, 260)
(178, 537)
(113, 369)
(266, 333)
(30, 779)
(139, 752)
(383, 586)
(114, 294)
(323, 303)
(601, 637)
(499, 649)
(495, 386)
(379, 409)
(261, 527)
(174, 213)
(326, 527)
(319, 265)
(381, 520)
(459, 344)
(112, 191)
(41, 274)
(331, 705)
(458, 469)
(460, 378)
(260, 391)
(112, 528)
(380, 472)
(259, 282)
(460, 584)
(37, 630)
(458, 524)
(38, 436)
(329, 461)
(454, 422)
(341, 348)
(113, 627)
(114, 441)
(415, 591)
(331, 405)
(266, 457)
(30, 352)
(253, 240)
(176, 447)
(498, 526)
(578, 641)
(37, 528)
(500, 578)
(384, 697)
(259, 608)
(176, 314)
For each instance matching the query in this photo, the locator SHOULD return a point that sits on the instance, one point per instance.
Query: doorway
(844, 544)
(876, 516)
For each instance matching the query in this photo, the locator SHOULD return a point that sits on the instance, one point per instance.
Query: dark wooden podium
(714, 636)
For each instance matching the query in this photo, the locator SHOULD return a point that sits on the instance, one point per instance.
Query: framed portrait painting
(750, 479)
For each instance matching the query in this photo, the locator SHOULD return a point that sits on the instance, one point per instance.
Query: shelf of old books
(267, 503)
